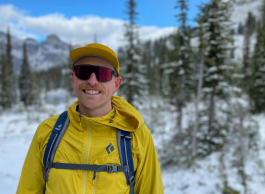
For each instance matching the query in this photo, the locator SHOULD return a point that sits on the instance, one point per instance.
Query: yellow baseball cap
(97, 50)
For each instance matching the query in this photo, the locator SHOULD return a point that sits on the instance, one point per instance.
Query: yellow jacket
(85, 142)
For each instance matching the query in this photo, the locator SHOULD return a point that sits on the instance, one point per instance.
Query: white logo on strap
(59, 127)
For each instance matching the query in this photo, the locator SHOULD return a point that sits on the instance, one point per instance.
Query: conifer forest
(204, 105)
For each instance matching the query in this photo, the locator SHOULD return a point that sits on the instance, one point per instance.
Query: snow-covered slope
(239, 15)
(18, 127)
(241, 9)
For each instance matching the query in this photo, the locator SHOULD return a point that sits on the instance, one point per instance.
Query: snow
(18, 126)
(241, 9)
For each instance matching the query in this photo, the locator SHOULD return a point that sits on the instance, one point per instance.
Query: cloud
(82, 30)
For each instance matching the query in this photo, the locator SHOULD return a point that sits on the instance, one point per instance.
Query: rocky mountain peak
(53, 38)
(31, 41)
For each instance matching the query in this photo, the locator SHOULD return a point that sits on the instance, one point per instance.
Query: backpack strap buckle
(45, 175)
(112, 168)
(132, 180)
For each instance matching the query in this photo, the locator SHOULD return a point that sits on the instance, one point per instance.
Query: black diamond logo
(110, 148)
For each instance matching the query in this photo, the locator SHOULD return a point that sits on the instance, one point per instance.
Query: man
(91, 136)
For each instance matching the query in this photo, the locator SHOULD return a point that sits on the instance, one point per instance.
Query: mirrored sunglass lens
(104, 74)
(83, 72)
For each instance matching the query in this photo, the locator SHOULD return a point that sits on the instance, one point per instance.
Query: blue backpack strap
(52, 145)
(125, 151)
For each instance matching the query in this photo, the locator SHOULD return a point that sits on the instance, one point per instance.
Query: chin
(91, 106)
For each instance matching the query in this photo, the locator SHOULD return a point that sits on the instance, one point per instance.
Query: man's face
(94, 96)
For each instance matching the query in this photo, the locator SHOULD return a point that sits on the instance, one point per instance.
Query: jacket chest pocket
(114, 183)
(105, 182)
(106, 152)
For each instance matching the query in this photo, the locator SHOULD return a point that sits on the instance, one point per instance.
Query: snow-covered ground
(18, 127)
(16, 132)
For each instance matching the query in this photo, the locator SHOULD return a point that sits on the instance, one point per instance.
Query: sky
(78, 21)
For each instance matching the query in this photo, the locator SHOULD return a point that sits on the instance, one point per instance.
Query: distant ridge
(44, 55)
(53, 51)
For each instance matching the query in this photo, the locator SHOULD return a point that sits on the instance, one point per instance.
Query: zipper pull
(94, 177)
(80, 116)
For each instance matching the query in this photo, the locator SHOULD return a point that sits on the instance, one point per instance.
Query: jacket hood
(123, 116)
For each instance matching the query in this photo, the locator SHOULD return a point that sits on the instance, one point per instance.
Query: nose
(92, 79)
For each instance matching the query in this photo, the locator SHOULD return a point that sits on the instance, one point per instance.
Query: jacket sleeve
(31, 180)
(148, 173)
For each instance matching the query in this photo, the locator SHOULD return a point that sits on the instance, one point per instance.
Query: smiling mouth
(93, 92)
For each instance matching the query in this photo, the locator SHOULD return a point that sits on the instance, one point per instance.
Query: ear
(117, 84)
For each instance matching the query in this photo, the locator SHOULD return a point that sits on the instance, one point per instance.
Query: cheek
(109, 88)
(76, 83)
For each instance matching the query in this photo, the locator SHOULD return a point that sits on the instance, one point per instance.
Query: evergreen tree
(25, 79)
(35, 88)
(11, 79)
(2, 60)
(6, 92)
(257, 87)
(150, 66)
(201, 50)
(241, 28)
(8, 89)
(134, 77)
(181, 70)
(246, 56)
(215, 16)
(160, 53)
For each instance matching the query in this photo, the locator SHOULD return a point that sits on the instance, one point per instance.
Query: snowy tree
(35, 88)
(257, 87)
(155, 54)
(147, 58)
(201, 50)
(8, 81)
(246, 55)
(215, 17)
(180, 70)
(178, 74)
(241, 28)
(2, 61)
(134, 74)
(25, 79)
(11, 79)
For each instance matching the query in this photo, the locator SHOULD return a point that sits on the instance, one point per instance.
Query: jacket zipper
(86, 156)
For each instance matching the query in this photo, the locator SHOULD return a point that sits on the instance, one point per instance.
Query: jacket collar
(123, 116)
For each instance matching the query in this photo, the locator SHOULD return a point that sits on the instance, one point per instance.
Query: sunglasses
(84, 72)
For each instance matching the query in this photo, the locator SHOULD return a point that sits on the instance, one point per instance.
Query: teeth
(91, 92)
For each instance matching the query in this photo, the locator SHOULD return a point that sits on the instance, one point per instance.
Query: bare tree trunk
(195, 127)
